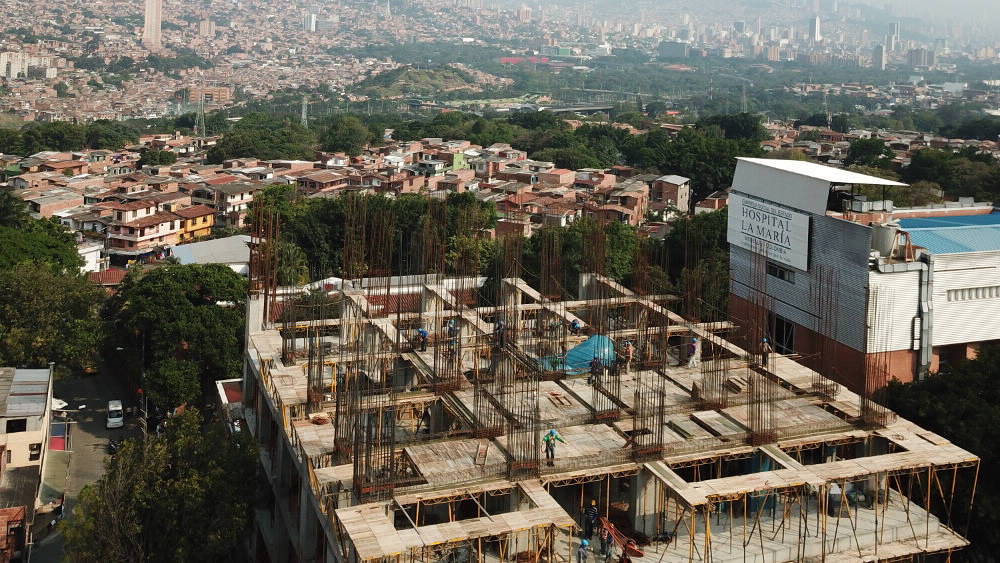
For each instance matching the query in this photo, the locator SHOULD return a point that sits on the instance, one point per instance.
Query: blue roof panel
(953, 240)
(950, 221)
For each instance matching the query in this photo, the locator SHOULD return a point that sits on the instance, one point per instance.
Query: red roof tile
(107, 277)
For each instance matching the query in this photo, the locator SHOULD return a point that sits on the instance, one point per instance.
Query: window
(17, 425)
(780, 272)
(784, 334)
(35, 452)
(8, 456)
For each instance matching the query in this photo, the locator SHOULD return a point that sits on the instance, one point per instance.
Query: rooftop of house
(24, 392)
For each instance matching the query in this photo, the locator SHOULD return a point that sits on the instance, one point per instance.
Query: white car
(116, 416)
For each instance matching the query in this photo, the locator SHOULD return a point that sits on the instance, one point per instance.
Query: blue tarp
(579, 357)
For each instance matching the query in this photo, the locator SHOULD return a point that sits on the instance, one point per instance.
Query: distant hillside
(407, 80)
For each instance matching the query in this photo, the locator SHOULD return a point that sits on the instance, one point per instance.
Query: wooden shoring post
(850, 518)
(927, 507)
(607, 497)
(730, 504)
(756, 521)
(972, 498)
(694, 510)
(951, 495)
(885, 504)
(745, 520)
(877, 490)
(708, 532)
(822, 500)
(479, 550)
(906, 508)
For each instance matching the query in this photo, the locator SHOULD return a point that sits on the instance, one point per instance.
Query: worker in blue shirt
(422, 335)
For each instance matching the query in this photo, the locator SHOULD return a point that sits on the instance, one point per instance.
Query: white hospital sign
(778, 233)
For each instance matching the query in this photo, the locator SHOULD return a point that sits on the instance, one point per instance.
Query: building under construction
(405, 418)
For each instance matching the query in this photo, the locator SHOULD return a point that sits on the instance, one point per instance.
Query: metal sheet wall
(838, 246)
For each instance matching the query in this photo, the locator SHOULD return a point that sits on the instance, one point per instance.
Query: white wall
(898, 295)
(972, 315)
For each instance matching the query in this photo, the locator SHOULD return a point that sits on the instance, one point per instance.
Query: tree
(47, 315)
(62, 89)
(265, 137)
(154, 158)
(962, 403)
(345, 133)
(869, 152)
(185, 495)
(177, 325)
(12, 210)
(293, 268)
(738, 126)
(37, 240)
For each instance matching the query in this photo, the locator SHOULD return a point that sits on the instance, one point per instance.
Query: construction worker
(628, 355)
(550, 445)
(694, 353)
(596, 367)
(590, 516)
(581, 552)
(452, 338)
(422, 335)
(765, 350)
(574, 327)
(499, 332)
(605, 542)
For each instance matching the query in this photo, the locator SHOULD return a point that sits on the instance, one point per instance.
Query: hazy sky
(959, 11)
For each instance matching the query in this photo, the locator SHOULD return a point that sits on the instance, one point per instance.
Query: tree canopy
(179, 329)
(869, 152)
(184, 495)
(47, 315)
(266, 137)
(962, 404)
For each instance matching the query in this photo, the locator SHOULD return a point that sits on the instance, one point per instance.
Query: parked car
(116, 416)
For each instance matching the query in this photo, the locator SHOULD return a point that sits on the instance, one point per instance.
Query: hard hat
(451, 322)
(552, 432)
(694, 340)
(765, 339)
(584, 543)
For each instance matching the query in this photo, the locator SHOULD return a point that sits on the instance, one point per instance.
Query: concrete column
(642, 508)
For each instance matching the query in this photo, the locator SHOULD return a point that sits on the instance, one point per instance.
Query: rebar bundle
(760, 352)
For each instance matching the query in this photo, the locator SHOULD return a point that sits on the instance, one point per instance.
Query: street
(88, 442)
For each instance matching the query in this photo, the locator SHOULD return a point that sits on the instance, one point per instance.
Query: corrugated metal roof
(23, 392)
(955, 234)
(950, 221)
(954, 240)
(820, 172)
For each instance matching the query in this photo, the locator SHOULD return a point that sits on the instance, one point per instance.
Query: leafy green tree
(13, 210)
(177, 325)
(293, 268)
(569, 158)
(869, 152)
(43, 241)
(266, 137)
(738, 126)
(962, 403)
(154, 157)
(47, 315)
(10, 141)
(345, 133)
(184, 495)
(62, 89)
(112, 135)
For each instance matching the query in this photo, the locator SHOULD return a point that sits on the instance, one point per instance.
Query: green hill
(407, 80)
